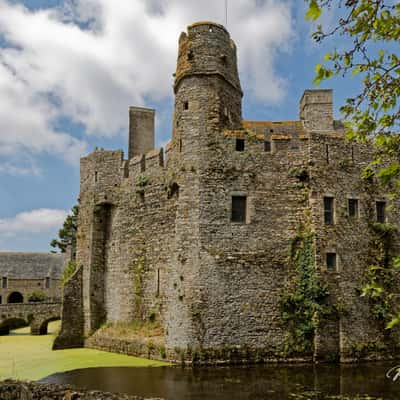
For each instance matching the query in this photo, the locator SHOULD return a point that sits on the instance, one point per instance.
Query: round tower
(207, 88)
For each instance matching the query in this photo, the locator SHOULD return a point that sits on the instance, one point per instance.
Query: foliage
(69, 270)
(301, 173)
(381, 276)
(37, 296)
(304, 297)
(368, 33)
(142, 180)
(67, 234)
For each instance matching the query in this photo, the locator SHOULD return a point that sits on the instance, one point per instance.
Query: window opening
(327, 153)
(328, 210)
(186, 105)
(353, 208)
(4, 282)
(239, 144)
(331, 264)
(381, 211)
(267, 146)
(239, 204)
(47, 283)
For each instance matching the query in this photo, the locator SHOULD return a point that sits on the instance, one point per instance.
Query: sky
(69, 70)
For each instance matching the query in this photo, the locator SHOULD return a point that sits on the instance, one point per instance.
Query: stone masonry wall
(335, 172)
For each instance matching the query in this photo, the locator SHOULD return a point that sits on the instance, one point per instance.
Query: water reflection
(234, 383)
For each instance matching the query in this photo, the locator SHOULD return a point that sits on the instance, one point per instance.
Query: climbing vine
(303, 297)
(381, 276)
(139, 269)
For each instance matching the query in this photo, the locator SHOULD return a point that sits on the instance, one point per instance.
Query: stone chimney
(316, 110)
(141, 130)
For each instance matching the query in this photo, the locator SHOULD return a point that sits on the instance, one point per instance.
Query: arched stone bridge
(36, 315)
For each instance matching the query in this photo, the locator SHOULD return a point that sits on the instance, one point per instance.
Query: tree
(67, 234)
(369, 35)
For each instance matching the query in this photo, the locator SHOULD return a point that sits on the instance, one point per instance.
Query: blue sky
(69, 70)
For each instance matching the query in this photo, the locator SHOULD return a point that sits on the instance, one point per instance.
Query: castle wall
(335, 172)
(157, 238)
(244, 265)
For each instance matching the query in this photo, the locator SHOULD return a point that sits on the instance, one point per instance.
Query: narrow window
(4, 282)
(186, 105)
(331, 264)
(267, 146)
(328, 210)
(180, 145)
(0, 299)
(158, 282)
(327, 153)
(353, 208)
(239, 144)
(380, 211)
(47, 283)
(239, 208)
(95, 176)
(352, 154)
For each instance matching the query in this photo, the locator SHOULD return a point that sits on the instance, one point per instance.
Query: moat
(30, 358)
(261, 382)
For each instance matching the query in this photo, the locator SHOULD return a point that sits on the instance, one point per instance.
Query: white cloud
(90, 59)
(34, 221)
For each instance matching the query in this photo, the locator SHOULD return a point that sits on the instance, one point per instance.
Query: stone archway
(15, 297)
(44, 324)
(12, 323)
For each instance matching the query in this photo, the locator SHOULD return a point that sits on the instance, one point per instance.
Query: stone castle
(197, 236)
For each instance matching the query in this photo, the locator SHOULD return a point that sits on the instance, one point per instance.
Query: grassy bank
(30, 357)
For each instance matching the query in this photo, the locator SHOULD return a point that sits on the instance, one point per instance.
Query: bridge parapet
(36, 315)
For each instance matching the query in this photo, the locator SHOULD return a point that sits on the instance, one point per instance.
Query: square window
(239, 204)
(328, 210)
(331, 264)
(353, 208)
(267, 146)
(239, 144)
(380, 211)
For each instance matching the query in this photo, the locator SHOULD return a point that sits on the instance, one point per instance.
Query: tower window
(353, 207)
(95, 176)
(180, 145)
(267, 146)
(186, 105)
(381, 211)
(4, 282)
(239, 144)
(328, 210)
(190, 55)
(331, 263)
(47, 283)
(239, 205)
(327, 153)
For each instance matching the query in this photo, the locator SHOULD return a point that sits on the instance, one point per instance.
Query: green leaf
(314, 11)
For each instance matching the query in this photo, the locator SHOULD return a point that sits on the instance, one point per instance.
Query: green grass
(23, 356)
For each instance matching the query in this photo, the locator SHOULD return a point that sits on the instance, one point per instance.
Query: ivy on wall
(303, 298)
(382, 276)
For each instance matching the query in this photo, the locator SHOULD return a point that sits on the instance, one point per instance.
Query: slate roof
(31, 265)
